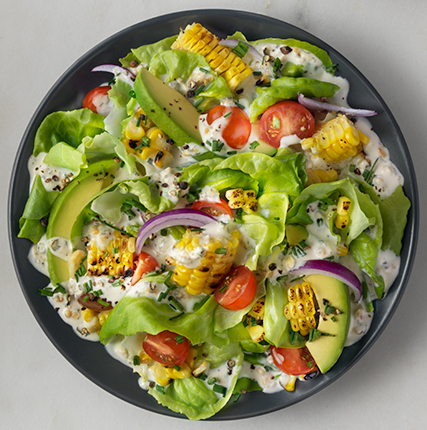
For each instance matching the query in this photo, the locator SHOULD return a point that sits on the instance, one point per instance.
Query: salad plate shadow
(90, 358)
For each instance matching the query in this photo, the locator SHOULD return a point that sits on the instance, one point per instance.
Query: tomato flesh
(293, 361)
(213, 208)
(96, 97)
(285, 119)
(146, 264)
(237, 129)
(237, 290)
(167, 348)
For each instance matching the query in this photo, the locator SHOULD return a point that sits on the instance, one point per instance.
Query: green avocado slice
(69, 204)
(327, 348)
(167, 108)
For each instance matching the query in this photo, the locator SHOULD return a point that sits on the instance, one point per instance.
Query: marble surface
(385, 39)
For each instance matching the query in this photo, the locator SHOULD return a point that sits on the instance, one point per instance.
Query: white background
(386, 40)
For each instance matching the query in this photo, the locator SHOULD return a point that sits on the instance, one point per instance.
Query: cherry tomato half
(213, 208)
(96, 98)
(237, 290)
(237, 128)
(285, 119)
(146, 264)
(293, 361)
(167, 348)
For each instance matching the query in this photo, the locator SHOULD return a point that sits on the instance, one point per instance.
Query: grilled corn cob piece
(343, 208)
(216, 262)
(317, 176)
(335, 140)
(116, 259)
(196, 38)
(301, 308)
(245, 199)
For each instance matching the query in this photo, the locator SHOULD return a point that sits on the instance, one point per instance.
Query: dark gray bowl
(90, 358)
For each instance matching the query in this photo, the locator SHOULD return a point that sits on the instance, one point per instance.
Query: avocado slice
(167, 108)
(69, 204)
(265, 148)
(327, 349)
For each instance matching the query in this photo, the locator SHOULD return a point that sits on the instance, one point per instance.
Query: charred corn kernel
(191, 358)
(341, 221)
(256, 332)
(156, 148)
(245, 199)
(201, 368)
(115, 259)
(335, 140)
(290, 385)
(183, 372)
(343, 205)
(144, 357)
(317, 176)
(102, 317)
(91, 317)
(342, 250)
(74, 262)
(196, 38)
(160, 374)
(301, 308)
(216, 262)
(135, 130)
(257, 310)
(89, 314)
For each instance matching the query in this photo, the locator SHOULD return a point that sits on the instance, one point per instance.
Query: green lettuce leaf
(67, 157)
(69, 127)
(38, 206)
(286, 88)
(120, 96)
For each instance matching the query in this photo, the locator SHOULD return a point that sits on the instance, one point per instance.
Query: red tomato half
(293, 361)
(238, 127)
(213, 208)
(284, 119)
(96, 97)
(146, 264)
(167, 348)
(237, 290)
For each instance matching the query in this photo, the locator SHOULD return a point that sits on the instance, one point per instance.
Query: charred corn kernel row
(317, 176)
(245, 199)
(301, 309)
(196, 38)
(216, 262)
(256, 314)
(336, 140)
(343, 208)
(95, 319)
(114, 260)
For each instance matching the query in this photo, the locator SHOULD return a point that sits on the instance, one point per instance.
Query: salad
(217, 216)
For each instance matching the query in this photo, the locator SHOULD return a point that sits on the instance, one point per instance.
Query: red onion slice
(232, 43)
(315, 104)
(335, 270)
(170, 218)
(124, 73)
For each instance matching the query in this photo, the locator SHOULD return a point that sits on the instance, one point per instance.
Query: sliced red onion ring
(125, 73)
(335, 270)
(315, 104)
(167, 219)
(232, 43)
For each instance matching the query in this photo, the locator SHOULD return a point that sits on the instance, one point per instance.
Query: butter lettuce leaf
(67, 126)
(120, 96)
(65, 156)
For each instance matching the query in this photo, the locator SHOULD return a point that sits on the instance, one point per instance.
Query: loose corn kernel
(256, 332)
(213, 265)
(341, 221)
(290, 386)
(343, 205)
(191, 358)
(157, 149)
(342, 250)
(335, 140)
(160, 374)
(301, 308)
(245, 199)
(116, 259)
(102, 316)
(144, 357)
(201, 368)
(318, 176)
(196, 38)
(89, 314)
(184, 371)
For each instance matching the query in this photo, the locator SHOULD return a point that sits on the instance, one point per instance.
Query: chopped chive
(211, 381)
(115, 250)
(199, 90)
(217, 146)
(177, 316)
(319, 222)
(59, 289)
(235, 397)
(136, 204)
(231, 152)
(220, 389)
(333, 319)
(46, 292)
(282, 278)
(202, 69)
(197, 229)
(240, 49)
(199, 102)
(163, 295)
(103, 303)
(236, 102)
(85, 298)
(298, 278)
(329, 309)
(226, 115)
(164, 232)
(97, 218)
(136, 360)
(160, 389)
(132, 94)
(106, 254)
(277, 65)
(309, 363)
(253, 145)
(175, 304)
(257, 73)
(116, 283)
(222, 251)
(203, 376)
(176, 367)
(352, 168)
(223, 288)
(138, 122)
(87, 287)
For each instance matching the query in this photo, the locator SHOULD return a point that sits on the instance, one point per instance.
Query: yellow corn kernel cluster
(135, 130)
(256, 313)
(95, 319)
(343, 208)
(163, 374)
(301, 309)
(196, 38)
(318, 176)
(245, 199)
(213, 266)
(113, 260)
(158, 149)
(335, 140)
